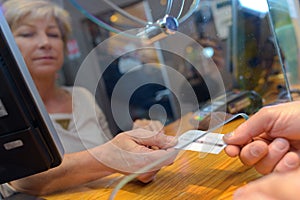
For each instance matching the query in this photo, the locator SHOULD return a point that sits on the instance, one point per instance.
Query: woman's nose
(44, 41)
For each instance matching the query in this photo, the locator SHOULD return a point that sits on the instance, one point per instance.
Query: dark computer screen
(28, 141)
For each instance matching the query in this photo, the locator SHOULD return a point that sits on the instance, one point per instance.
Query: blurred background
(253, 44)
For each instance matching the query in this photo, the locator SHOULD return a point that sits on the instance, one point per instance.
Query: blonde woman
(41, 30)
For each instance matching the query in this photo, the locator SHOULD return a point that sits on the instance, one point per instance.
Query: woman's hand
(151, 125)
(130, 151)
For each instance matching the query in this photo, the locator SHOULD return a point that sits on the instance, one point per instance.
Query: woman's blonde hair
(16, 10)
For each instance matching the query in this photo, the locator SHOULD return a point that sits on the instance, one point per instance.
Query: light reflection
(255, 5)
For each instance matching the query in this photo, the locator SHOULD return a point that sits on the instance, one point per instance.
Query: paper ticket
(209, 143)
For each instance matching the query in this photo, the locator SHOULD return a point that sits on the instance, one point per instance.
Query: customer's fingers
(253, 152)
(272, 186)
(289, 162)
(256, 125)
(276, 151)
(232, 150)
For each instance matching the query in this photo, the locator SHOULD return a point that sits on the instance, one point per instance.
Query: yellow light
(189, 50)
(163, 2)
(113, 18)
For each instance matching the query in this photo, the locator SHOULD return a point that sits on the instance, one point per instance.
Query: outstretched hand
(269, 140)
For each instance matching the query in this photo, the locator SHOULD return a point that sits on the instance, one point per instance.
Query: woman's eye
(25, 34)
(54, 35)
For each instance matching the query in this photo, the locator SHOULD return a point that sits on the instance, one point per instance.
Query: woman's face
(40, 42)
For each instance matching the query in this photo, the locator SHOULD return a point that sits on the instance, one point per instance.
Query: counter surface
(189, 177)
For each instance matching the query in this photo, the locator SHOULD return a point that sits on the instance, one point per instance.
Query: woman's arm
(126, 153)
(75, 169)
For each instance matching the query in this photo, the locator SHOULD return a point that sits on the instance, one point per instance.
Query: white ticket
(209, 143)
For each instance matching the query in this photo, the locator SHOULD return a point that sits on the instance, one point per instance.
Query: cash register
(29, 143)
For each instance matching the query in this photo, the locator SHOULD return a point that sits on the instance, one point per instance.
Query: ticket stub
(209, 143)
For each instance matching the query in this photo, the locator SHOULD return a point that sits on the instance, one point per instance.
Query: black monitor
(28, 141)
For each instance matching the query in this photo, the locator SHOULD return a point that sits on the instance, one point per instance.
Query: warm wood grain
(190, 177)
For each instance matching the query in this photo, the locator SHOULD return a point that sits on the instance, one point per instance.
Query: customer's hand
(275, 186)
(269, 140)
(130, 151)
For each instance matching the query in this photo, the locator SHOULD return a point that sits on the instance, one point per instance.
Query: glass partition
(284, 15)
(228, 55)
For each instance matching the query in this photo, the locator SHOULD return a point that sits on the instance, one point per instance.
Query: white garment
(87, 127)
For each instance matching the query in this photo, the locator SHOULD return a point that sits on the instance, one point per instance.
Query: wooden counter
(190, 177)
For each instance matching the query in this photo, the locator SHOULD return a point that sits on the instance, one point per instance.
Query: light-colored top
(86, 127)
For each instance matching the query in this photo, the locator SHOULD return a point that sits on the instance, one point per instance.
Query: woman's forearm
(75, 169)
